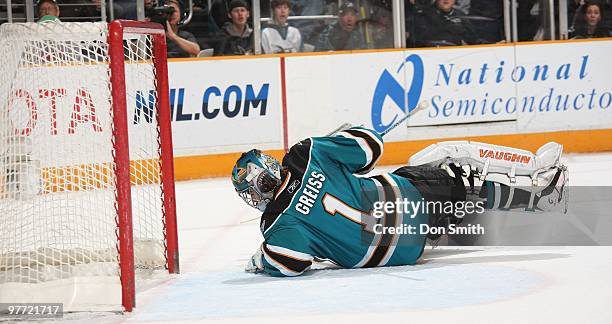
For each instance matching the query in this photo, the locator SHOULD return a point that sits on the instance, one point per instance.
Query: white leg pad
(506, 165)
(490, 158)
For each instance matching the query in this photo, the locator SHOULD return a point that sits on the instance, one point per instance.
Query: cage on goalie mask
(255, 176)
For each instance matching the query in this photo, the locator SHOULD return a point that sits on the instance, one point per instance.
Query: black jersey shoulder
(295, 163)
(298, 157)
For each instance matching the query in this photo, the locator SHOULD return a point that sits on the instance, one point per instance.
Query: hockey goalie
(317, 205)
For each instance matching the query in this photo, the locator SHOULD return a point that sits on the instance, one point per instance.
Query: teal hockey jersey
(324, 210)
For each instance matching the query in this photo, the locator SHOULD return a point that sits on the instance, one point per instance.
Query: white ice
(451, 285)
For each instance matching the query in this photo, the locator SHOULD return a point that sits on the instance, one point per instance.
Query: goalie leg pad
(540, 174)
(501, 164)
(553, 197)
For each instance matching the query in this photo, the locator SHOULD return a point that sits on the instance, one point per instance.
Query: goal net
(86, 180)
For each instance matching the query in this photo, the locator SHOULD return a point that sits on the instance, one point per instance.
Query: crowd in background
(226, 28)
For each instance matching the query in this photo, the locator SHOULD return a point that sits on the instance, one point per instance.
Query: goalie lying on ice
(316, 207)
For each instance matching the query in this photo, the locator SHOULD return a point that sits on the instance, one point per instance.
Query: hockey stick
(250, 220)
(422, 105)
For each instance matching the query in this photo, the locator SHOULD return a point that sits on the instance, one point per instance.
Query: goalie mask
(255, 177)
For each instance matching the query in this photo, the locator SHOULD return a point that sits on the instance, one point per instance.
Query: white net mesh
(145, 166)
(57, 183)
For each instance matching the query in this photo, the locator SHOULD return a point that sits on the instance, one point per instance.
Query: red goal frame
(125, 245)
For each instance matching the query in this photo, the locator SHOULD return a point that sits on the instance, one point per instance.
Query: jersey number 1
(334, 205)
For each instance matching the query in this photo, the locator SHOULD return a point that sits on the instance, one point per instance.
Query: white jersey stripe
(399, 219)
(363, 144)
(283, 185)
(284, 270)
(290, 253)
(375, 139)
(377, 237)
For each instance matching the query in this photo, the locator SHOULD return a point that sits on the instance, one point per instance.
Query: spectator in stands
(345, 33)
(48, 10)
(279, 37)
(181, 43)
(218, 14)
(237, 36)
(443, 25)
(589, 22)
(573, 8)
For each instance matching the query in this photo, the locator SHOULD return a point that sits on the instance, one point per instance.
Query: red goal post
(117, 30)
(86, 165)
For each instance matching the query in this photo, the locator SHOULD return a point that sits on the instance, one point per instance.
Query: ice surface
(452, 285)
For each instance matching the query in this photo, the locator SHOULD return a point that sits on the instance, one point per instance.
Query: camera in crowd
(160, 14)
